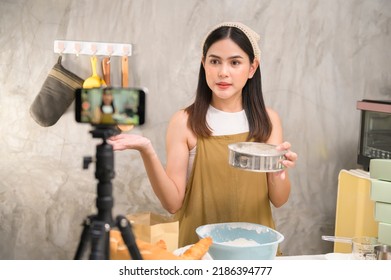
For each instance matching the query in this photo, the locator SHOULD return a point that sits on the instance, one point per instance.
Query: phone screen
(110, 106)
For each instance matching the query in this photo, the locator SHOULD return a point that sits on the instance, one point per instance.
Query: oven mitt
(56, 95)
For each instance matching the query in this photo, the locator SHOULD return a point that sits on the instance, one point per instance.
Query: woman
(197, 183)
(104, 113)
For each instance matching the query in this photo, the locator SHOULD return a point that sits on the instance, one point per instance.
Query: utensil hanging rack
(92, 48)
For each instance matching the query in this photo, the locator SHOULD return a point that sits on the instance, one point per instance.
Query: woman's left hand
(290, 158)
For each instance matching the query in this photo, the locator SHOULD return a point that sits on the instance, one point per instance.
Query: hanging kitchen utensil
(106, 71)
(125, 71)
(258, 157)
(125, 84)
(93, 81)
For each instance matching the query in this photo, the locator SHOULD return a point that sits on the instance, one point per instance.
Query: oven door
(375, 136)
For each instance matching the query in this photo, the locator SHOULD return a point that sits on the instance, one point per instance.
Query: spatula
(125, 84)
(106, 71)
(125, 71)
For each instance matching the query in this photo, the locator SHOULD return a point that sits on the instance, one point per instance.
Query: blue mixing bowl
(241, 241)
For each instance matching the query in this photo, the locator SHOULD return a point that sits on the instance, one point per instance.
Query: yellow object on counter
(355, 209)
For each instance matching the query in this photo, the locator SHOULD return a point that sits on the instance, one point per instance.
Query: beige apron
(107, 119)
(217, 192)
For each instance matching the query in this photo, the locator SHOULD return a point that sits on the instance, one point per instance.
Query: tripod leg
(83, 239)
(128, 237)
(100, 245)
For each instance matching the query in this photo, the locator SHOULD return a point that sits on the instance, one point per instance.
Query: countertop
(328, 256)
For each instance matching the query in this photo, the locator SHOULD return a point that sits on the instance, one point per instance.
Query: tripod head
(104, 131)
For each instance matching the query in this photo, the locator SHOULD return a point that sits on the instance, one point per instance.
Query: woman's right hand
(123, 141)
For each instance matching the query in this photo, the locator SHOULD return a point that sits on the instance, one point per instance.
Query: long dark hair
(252, 98)
(111, 103)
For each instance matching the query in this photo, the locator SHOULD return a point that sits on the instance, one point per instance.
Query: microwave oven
(375, 131)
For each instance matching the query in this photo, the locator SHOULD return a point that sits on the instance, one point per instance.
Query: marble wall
(318, 59)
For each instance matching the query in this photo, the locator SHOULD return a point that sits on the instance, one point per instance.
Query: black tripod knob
(86, 162)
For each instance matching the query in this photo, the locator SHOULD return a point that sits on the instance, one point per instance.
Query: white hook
(109, 52)
(61, 47)
(126, 50)
(77, 47)
(93, 49)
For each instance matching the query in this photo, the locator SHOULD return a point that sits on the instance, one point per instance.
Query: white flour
(240, 242)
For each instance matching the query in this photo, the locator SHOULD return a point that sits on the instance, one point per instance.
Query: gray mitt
(56, 95)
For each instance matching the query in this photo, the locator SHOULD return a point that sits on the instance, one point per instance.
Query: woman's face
(227, 69)
(107, 98)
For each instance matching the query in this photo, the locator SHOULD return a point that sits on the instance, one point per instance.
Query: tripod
(96, 228)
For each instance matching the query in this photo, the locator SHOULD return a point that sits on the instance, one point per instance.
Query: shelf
(92, 48)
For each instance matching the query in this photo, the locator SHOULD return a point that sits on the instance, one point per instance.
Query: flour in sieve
(240, 242)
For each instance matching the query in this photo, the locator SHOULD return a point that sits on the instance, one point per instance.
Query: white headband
(251, 35)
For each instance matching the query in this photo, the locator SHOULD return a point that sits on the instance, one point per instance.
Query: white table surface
(302, 257)
(329, 256)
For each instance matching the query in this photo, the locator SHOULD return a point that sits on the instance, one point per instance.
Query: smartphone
(110, 106)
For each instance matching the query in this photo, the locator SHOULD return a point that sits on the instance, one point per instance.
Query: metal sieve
(257, 157)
